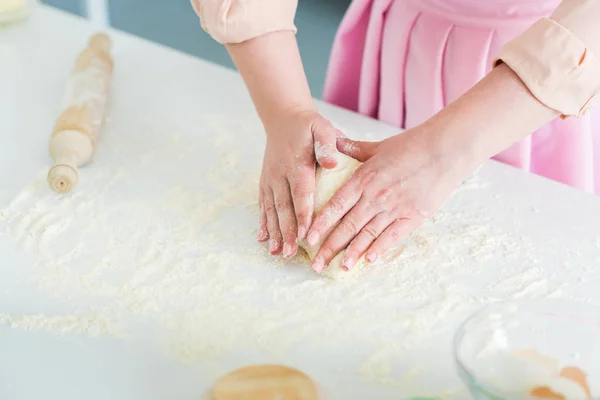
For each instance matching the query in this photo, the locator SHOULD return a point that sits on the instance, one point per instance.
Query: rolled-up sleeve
(558, 57)
(235, 21)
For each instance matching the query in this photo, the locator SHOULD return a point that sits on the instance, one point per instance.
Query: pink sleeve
(235, 21)
(557, 58)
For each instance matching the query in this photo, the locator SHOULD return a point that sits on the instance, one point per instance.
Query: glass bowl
(534, 349)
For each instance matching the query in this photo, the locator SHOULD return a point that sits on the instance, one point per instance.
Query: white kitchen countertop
(509, 234)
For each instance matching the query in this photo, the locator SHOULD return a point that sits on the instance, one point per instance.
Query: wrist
(452, 143)
(272, 70)
(281, 120)
(276, 117)
(496, 113)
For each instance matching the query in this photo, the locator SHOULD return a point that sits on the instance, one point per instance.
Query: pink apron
(401, 61)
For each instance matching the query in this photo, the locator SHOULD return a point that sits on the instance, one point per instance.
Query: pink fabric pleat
(403, 60)
(424, 87)
(343, 81)
(393, 58)
(368, 100)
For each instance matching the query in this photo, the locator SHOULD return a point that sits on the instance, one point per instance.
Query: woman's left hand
(404, 180)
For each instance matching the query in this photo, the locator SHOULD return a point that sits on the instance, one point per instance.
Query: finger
(343, 233)
(365, 238)
(325, 137)
(360, 151)
(272, 223)
(339, 134)
(287, 219)
(302, 184)
(263, 231)
(395, 231)
(337, 206)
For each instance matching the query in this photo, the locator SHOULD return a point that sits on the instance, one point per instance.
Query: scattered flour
(161, 231)
(91, 325)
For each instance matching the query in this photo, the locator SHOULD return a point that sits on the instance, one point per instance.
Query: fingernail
(313, 238)
(273, 246)
(318, 264)
(348, 263)
(287, 250)
(261, 235)
(301, 232)
(371, 257)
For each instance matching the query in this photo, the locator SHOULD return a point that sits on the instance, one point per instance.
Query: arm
(259, 36)
(550, 70)
(496, 113)
(407, 177)
(273, 72)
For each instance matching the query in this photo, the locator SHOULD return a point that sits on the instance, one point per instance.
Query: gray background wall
(174, 23)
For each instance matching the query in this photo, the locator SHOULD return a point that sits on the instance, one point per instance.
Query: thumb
(360, 151)
(325, 137)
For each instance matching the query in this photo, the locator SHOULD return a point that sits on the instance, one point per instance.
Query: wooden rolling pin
(265, 382)
(76, 129)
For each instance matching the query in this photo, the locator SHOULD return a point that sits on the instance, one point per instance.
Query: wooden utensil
(76, 129)
(265, 382)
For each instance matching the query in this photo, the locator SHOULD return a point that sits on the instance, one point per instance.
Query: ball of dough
(328, 181)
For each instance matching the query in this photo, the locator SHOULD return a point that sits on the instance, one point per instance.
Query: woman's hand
(404, 179)
(295, 141)
(297, 136)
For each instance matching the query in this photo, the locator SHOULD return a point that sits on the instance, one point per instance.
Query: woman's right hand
(297, 136)
(295, 141)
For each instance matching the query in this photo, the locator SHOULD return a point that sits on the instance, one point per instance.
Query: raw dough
(328, 182)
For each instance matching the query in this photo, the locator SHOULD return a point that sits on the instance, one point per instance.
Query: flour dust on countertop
(161, 232)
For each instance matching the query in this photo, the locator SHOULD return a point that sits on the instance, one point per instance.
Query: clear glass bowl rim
(575, 308)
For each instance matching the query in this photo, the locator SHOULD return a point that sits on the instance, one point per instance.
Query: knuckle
(326, 249)
(281, 206)
(365, 176)
(379, 198)
(349, 226)
(395, 234)
(302, 217)
(383, 195)
(337, 204)
(301, 190)
(370, 232)
(268, 206)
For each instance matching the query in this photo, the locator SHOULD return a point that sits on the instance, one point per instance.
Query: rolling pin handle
(62, 178)
(100, 42)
